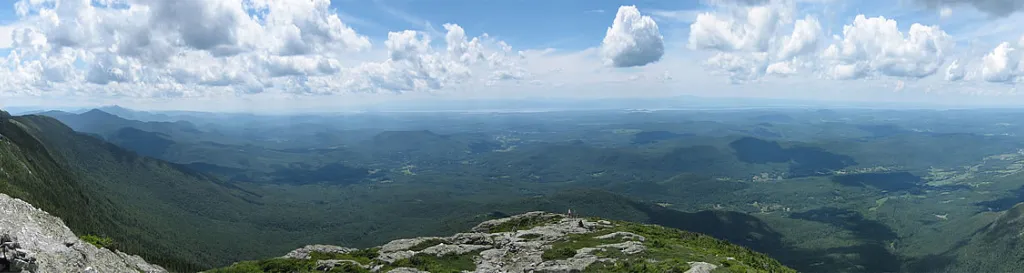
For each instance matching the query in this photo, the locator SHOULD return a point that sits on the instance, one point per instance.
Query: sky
(257, 55)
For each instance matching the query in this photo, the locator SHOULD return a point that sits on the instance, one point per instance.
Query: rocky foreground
(531, 242)
(32, 240)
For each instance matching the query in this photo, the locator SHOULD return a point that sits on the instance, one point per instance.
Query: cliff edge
(35, 241)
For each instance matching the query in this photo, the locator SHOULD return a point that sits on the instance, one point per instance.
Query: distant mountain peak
(114, 107)
(97, 113)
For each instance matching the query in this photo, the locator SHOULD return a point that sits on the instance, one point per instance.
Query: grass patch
(448, 263)
(639, 266)
(558, 253)
(567, 248)
(529, 236)
(667, 245)
(426, 244)
(276, 265)
(362, 256)
(524, 223)
(98, 241)
(668, 250)
(286, 265)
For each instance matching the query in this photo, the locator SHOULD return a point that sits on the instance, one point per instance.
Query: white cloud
(220, 47)
(632, 40)
(675, 15)
(752, 40)
(1003, 64)
(804, 40)
(739, 67)
(875, 45)
(945, 12)
(993, 7)
(7, 36)
(751, 30)
(955, 72)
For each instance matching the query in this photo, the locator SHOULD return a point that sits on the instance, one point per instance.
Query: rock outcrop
(35, 241)
(536, 242)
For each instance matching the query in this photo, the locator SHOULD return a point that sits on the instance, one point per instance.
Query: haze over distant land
(520, 105)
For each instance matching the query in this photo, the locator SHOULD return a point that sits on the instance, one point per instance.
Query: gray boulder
(304, 252)
(45, 244)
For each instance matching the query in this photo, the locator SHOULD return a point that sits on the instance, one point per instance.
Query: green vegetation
(529, 236)
(275, 265)
(362, 256)
(639, 266)
(448, 263)
(668, 250)
(101, 242)
(567, 248)
(139, 202)
(822, 191)
(426, 244)
(666, 245)
(441, 264)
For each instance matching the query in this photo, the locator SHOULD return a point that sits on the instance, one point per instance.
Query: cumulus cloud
(875, 45)
(804, 39)
(1003, 64)
(750, 31)
(415, 66)
(954, 72)
(632, 40)
(992, 7)
(739, 68)
(752, 40)
(218, 47)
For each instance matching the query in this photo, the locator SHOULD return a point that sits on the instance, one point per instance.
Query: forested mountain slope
(189, 221)
(156, 209)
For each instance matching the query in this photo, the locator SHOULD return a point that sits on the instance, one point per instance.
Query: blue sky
(212, 54)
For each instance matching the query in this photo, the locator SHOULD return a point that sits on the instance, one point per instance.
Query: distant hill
(136, 115)
(104, 123)
(153, 139)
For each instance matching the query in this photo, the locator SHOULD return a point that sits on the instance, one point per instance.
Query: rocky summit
(32, 240)
(531, 242)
